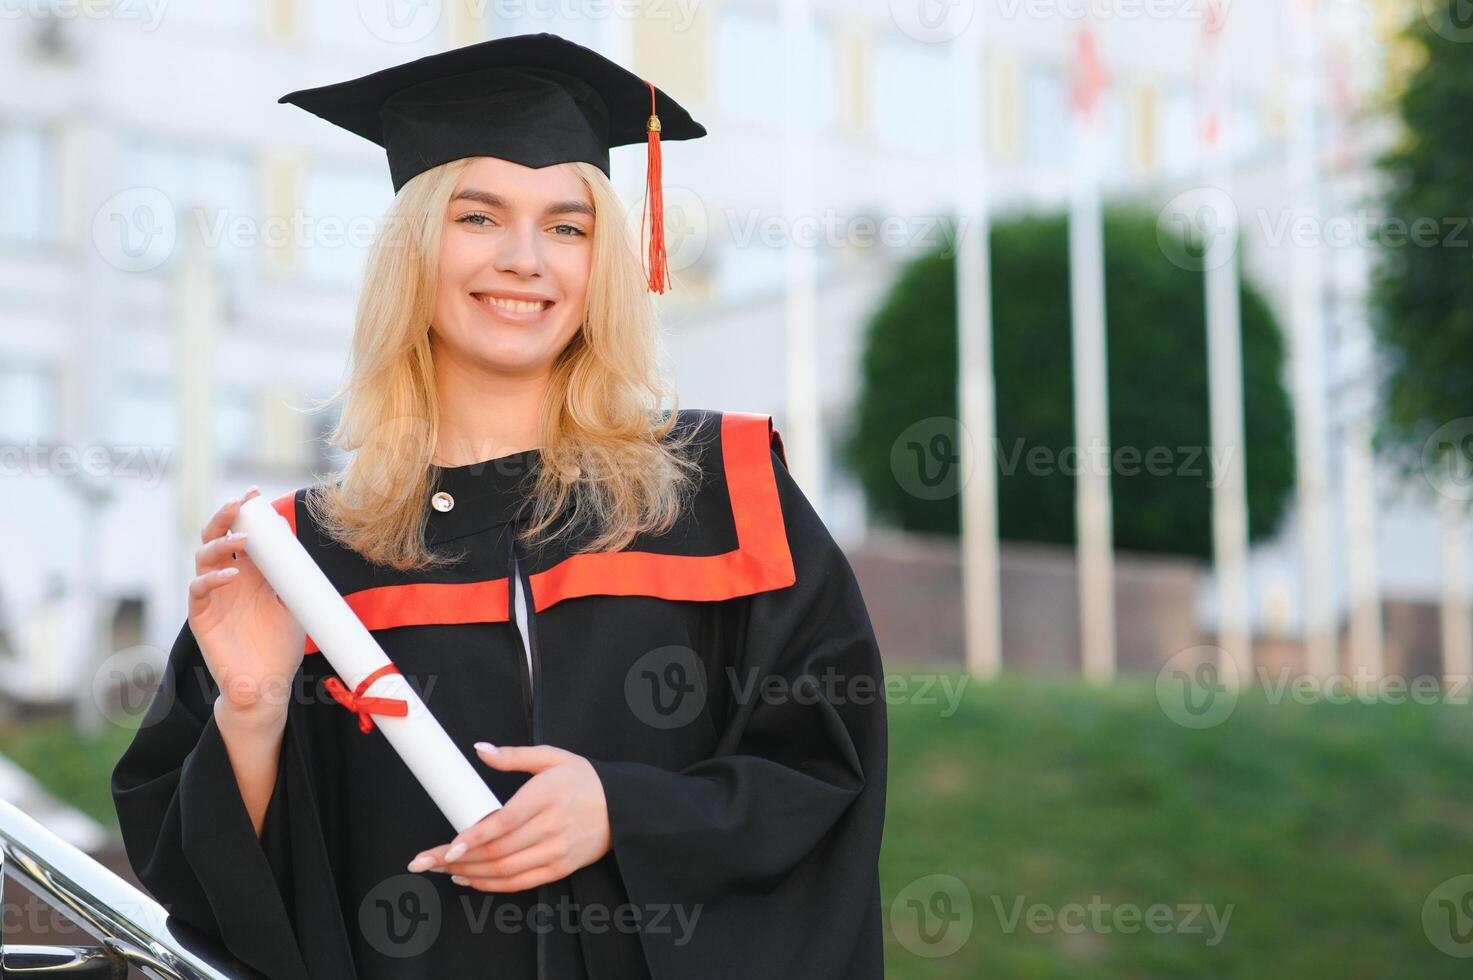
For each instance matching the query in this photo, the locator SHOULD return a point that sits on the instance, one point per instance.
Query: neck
(485, 415)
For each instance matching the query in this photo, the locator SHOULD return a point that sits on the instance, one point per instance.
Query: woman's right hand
(251, 643)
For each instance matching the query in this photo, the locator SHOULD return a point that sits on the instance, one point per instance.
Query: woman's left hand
(556, 823)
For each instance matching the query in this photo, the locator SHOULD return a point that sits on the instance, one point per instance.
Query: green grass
(1324, 827)
(75, 768)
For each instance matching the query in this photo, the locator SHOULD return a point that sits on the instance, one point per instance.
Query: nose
(517, 252)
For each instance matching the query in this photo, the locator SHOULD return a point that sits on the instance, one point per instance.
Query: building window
(211, 192)
(1180, 133)
(237, 17)
(28, 406)
(342, 211)
(1046, 117)
(907, 113)
(748, 67)
(26, 170)
(744, 272)
(141, 416)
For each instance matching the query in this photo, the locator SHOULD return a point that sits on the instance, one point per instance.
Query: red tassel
(659, 274)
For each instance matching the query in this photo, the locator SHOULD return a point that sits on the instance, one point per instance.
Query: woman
(690, 743)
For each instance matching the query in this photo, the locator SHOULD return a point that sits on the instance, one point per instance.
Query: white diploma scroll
(421, 742)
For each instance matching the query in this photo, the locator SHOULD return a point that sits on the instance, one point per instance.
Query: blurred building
(179, 254)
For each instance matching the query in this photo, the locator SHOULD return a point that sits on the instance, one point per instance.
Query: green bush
(1157, 377)
(1422, 309)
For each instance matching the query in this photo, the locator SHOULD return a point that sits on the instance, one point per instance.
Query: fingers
(489, 828)
(201, 586)
(547, 853)
(530, 834)
(225, 516)
(501, 822)
(514, 883)
(219, 553)
(522, 758)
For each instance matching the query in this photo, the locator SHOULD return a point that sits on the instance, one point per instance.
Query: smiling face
(515, 253)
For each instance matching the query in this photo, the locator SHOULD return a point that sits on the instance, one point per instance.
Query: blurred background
(1122, 344)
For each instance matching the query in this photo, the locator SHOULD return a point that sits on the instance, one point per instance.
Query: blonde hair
(610, 463)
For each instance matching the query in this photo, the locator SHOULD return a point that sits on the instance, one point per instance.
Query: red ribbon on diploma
(364, 707)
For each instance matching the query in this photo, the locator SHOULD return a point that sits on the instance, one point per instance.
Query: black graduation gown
(723, 679)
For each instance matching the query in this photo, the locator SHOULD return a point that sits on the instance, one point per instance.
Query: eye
(577, 232)
(469, 219)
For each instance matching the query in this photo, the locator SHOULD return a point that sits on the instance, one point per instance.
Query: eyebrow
(497, 201)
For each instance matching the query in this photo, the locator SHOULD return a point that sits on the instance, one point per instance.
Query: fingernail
(420, 863)
(228, 572)
(459, 880)
(455, 851)
(485, 747)
(249, 489)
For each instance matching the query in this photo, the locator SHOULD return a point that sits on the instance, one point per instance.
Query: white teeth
(515, 305)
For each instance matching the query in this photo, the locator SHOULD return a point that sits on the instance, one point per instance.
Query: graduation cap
(533, 99)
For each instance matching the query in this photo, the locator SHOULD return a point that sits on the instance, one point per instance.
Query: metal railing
(133, 929)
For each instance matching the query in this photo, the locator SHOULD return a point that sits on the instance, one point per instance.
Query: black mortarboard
(533, 99)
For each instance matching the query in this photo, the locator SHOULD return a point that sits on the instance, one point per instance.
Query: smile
(513, 310)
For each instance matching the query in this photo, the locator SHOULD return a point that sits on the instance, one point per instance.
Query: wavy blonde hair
(612, 464)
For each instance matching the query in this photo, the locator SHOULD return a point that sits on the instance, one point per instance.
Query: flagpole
(1225, 368)
(1091, 399)
(803, 421)
(1306, 331)
(976, 392)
